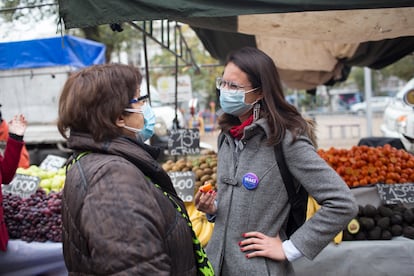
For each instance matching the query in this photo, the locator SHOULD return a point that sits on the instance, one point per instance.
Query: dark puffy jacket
(115, 220)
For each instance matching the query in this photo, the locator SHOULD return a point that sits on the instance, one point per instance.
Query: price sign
(52, 163)
(22, 185)
(396, 193)
(184, 183)
(184, 141)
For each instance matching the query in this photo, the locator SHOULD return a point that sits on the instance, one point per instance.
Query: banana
(206, 233)
(338, 238)
(197, 225)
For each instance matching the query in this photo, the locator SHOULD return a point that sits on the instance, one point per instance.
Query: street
(340, 131)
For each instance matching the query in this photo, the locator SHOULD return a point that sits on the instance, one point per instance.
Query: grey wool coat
(265, 209)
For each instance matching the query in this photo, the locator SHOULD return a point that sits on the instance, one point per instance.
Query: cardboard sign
(52, 163)
(396, 193)
(184, 141)
(22, 185)
(184, 183)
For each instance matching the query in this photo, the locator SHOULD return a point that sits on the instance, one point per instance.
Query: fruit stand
(382, 233)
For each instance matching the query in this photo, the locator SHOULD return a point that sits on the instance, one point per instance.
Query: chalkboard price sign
(184, 183)
(184, 141)
(396, 193)
(22, 185)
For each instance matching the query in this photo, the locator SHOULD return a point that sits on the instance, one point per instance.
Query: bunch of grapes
(36, 218)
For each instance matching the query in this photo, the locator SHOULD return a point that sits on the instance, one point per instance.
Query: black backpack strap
(284, 171)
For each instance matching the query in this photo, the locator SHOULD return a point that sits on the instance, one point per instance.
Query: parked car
(395, 114)
(378, 104)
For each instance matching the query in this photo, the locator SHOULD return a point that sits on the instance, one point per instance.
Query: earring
(256, 111)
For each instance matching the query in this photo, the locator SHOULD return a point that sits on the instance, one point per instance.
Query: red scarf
(237, 131)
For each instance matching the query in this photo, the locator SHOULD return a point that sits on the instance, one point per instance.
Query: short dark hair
(93, 98)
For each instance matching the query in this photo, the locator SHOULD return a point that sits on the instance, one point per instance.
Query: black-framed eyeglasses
(221, 83)
(139, 99)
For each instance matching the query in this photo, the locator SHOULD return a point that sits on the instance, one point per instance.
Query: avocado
(347, 236)
(370, 211)
(367, 223)
(374, 233)
(384, 211)
(396, 218)
(360, 210)
(360, 236)
(384, 222)
(386, 235)
(396, 230)
(353, 226)
(408, 216)
(408, 232)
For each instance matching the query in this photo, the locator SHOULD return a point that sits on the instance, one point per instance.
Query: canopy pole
(175, 124)
(368, 94)
(144, 41)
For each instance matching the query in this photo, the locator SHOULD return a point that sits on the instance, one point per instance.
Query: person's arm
(338, 205)
(10, 160)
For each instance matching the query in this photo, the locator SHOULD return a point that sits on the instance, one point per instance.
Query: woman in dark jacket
(115, 219)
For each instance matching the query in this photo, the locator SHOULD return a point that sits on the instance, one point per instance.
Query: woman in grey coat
(250, 207)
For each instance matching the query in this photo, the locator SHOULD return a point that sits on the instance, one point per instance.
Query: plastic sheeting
(49, 52)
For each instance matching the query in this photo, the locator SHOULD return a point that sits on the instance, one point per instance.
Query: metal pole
(368, 94)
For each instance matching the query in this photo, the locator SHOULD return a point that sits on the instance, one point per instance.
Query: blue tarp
(49, 52)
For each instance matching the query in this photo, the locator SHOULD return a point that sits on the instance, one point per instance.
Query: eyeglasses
(136, 100)
(134, 110)
(220, 83)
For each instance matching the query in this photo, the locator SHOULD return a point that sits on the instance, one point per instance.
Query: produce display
(364, 165)
(381, 223)
(204, 167)
(38, 217)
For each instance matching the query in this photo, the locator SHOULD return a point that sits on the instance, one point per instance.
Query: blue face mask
(149, 123)
(232, 102)
(147, 131)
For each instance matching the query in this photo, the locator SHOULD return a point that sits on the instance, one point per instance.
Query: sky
(17, 31)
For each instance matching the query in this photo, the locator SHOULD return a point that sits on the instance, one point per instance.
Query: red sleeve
(10, 160)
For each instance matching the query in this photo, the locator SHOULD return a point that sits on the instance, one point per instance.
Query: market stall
(364, 255)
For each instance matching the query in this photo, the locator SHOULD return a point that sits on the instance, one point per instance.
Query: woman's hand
(260, 245)
(18, 125)
(204, 201)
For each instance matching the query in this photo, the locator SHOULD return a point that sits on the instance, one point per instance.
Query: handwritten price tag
(22, 185)
(184, 141)
(396, 193)
(52, 163)
(184, 183)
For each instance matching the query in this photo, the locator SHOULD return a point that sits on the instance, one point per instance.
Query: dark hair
(262, 72)
(93, 99)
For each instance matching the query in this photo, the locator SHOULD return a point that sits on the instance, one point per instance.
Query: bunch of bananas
(202, 227)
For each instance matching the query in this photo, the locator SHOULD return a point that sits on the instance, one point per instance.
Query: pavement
(340, 131)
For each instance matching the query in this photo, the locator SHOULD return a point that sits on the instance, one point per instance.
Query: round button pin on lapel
(250, 181)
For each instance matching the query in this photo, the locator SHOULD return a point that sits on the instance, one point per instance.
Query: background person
(251, 205)
(8, 165)
(24, 161)
(115, 219)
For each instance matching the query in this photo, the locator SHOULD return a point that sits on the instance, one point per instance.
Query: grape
(36, 218)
